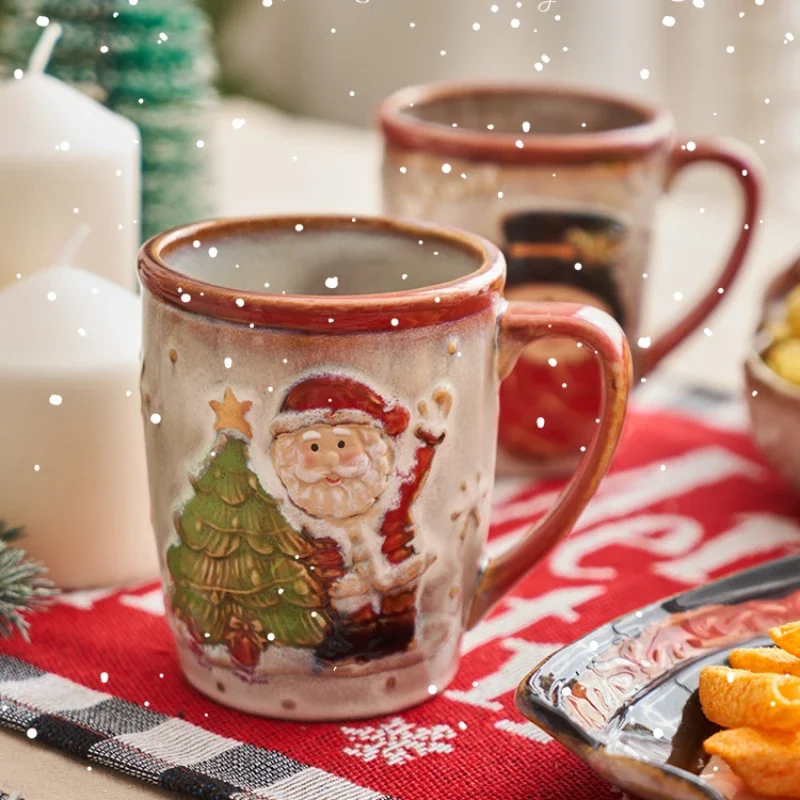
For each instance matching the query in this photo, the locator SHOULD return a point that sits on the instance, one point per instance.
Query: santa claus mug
(320, 398)
(568, 180)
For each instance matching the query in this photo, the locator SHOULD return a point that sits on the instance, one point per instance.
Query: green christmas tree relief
(242, 576)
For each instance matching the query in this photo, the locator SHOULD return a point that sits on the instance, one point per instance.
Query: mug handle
(522, 324)
(747, 170)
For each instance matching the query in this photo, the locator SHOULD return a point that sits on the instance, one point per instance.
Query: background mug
(320, 397)
(537, 170)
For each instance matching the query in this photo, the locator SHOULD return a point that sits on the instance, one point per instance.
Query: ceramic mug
(320, 398)
(506, 161)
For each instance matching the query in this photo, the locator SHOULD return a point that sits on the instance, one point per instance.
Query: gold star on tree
(230, 414)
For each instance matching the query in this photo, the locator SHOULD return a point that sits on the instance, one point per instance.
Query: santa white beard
(359, 486)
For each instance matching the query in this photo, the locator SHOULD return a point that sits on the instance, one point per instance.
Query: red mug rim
(626, 143)
(330, 314)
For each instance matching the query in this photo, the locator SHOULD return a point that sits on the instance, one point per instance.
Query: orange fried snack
(766, 659)
(787, 637)
(734, 698)
(767, 762)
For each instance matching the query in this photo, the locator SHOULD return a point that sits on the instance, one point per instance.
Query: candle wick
(44, 49)
(71, 248)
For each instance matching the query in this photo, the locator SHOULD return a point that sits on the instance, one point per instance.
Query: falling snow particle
(540, 422)
(31, 733)
(515, 23)
(476, 26)
(644, 74)
(668, 22)
(432, 689)
(446, 168)
(266, 3)
(644, 342)
(213, 252)
(239, 302)
(677, 296)
(51, 296)
(228, 362)
(36, 467)
(707, 331)
(201, 144)
(403, 170)
(519, 143)
(443, 52)
(103, 677)
(578, 266)
(238, 122)
(18, 73)
(56, 399)
(155, 419)
(730, 49)
(690, 146)
(186, 297)
(395, 322)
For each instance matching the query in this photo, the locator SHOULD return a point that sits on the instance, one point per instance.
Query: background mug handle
(522, 324)
(747, 170)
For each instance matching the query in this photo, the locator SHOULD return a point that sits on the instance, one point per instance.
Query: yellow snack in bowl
(735, 698)
(779, 330)
(793, 310)
(768, 762)
(784, 358)
(787, 637)
(766, 659)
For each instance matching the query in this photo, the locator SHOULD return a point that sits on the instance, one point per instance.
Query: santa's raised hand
(433, 414)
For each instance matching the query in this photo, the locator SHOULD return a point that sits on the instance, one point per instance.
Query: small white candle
(65, 161)
(72, 461)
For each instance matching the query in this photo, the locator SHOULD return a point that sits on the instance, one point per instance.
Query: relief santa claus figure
(352, 465)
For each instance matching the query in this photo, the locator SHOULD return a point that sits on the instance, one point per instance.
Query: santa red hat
(329, 399)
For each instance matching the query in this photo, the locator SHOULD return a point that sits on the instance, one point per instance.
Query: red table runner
(685, 503)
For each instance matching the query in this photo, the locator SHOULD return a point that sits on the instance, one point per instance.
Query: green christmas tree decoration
(149, 60)
(242, 577)
(23, 587)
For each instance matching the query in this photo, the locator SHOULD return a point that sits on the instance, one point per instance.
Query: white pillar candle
(65, 161)
(72, 462)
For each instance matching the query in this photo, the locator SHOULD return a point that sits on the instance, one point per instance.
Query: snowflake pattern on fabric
(398, 741)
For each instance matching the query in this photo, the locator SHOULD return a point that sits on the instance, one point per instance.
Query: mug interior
(493, 110)
(315, 257)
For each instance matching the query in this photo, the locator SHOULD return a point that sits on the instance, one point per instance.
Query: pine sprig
(23, 587)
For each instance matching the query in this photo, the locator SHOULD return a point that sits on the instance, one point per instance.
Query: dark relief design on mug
(569, 250)
(552, 397)
(341, 579)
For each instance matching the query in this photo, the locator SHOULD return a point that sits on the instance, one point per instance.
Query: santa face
(333, 471)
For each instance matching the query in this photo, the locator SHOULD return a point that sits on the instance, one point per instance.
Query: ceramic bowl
(624, 698)
(774, 402)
